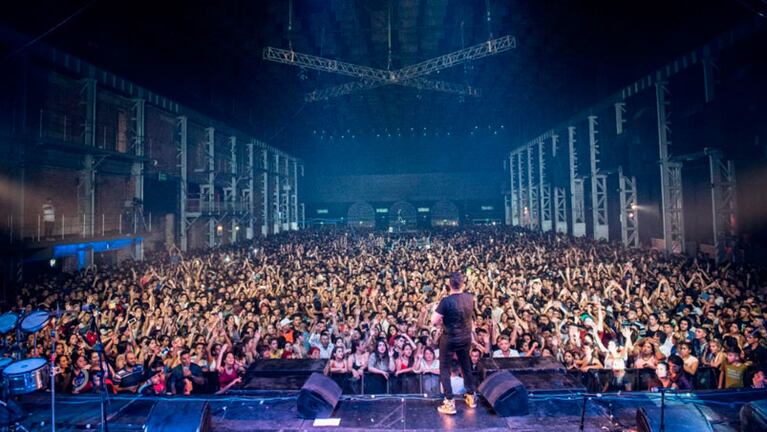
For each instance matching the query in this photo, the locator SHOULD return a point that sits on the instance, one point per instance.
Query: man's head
(475, 355)
(456, 281)
(733, 354)
(186, 358)
(324, 338)
(504, 344)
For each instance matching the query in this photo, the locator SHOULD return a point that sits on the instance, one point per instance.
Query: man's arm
(436, 319)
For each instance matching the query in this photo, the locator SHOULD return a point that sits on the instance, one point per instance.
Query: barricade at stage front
(537, 374)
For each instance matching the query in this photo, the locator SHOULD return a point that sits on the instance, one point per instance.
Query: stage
(276, 411)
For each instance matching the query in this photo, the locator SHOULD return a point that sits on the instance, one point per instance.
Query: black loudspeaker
(753, 416)
(677, 418)
(505, 393)
(180, 416)
(318, 397)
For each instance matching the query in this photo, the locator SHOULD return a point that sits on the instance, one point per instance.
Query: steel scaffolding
(276, 215)
(513, 191)
(544, 189)
(208, 191)
(723, 203)
(231, 202)
(629, 210)
(671, 177)
(524, 215)
(620, 112)
(560, 201)
(248, 195)
(598, 186)
(186, 218)
(138, 126)
(578, 215)
(86, 189)
(294, 198)
(264, 189)
(532, 192)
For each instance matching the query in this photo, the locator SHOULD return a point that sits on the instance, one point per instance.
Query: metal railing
(608, 380)
(75, 226)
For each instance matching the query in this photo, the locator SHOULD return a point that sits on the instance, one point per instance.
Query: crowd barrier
(594, 380)
(607, 380)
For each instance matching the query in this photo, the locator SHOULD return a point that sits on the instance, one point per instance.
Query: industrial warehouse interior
(411, 215)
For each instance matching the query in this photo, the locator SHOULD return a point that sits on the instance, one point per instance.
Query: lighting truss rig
(408, 76)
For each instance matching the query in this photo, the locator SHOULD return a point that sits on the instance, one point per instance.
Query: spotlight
(237, 228)
(633, 206)
(220, 228)
(52, 262)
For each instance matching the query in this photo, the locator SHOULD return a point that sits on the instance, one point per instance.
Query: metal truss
(264, 190)
(598, 186)
(629, 206)
(532, 192)
(544, 190)
(232, 194)
(674, 209)
(341, 90)
(513, 191)
(576, 188)
(723, 202)
(294, 198)
(418, 83)
(137, 125)
(208, 191)
(524, 209)
(554, 145)
(560, 214)
(411, 76)
(186, 217)
(276, 195)
(248, 194)
(670, 176)
(86, 189)
(322, 64)
(285, 195)
(620, 121)
(491, 47)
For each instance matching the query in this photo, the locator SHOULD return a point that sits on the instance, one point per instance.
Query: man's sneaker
(471, 400)
(447, 407)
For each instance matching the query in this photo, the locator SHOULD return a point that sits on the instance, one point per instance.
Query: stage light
(237, 228)
(52, 262)
(633, 206)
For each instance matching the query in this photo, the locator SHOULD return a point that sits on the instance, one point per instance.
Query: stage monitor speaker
(753, 416)
(677, 418)
(318, 397)
(505, 393)
(179, 415)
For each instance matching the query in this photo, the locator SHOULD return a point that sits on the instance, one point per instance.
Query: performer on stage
(455, 313)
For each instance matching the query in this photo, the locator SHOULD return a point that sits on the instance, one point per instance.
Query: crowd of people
(364, 300)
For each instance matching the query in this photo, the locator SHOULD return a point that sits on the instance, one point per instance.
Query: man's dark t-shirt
(457, 312)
